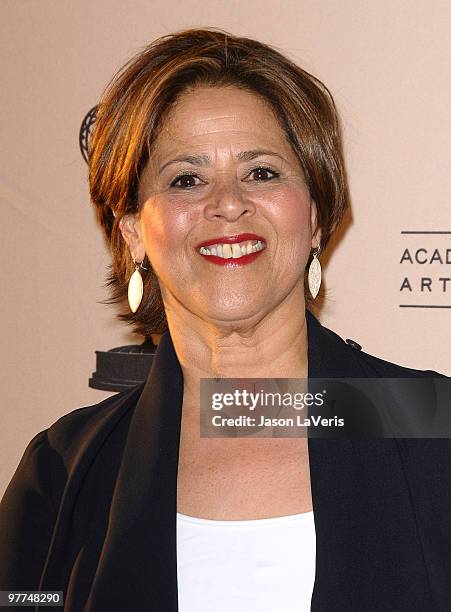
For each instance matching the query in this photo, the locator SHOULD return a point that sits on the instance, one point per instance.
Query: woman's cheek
(162, 225)
(289, 209)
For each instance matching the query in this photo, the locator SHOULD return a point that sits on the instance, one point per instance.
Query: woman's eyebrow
(205, 160)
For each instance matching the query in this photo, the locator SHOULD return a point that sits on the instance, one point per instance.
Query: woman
(217, 173)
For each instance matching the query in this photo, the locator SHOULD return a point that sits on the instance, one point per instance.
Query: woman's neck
(273, 346)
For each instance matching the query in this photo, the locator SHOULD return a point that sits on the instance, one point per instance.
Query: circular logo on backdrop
(85, 132)
(425, 269)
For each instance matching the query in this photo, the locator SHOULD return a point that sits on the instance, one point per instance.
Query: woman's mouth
(232, 250)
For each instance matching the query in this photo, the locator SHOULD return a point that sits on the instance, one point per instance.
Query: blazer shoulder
(76, 427)
(387, 369)
(350, 351)
(51, 456)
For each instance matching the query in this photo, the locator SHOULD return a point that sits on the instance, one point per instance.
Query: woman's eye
(263, 174)
(185, 181)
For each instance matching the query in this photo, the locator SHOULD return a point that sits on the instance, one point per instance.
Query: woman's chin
(229, 314)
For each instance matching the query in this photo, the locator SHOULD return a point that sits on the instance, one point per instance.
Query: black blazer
(91, 508)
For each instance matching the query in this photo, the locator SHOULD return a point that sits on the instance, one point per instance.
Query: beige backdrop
(388, 65)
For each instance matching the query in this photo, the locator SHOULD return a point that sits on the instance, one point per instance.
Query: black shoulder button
(354, 344)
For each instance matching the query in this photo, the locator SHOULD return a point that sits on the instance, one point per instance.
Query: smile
(233, 251)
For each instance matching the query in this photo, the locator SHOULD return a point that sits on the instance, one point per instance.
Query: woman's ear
(131, 232)
(316, 230)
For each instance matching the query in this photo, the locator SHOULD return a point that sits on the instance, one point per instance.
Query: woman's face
(223, 172)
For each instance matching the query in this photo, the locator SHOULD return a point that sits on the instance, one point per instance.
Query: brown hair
(140, 95)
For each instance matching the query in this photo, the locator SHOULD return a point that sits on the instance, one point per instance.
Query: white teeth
(234, 250)
(227, 251)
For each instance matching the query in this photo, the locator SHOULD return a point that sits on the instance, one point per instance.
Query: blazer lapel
(140, 545)
(368, 553)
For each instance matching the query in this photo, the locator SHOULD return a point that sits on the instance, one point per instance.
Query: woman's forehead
(208, 118)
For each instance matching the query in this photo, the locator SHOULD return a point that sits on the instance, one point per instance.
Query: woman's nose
(229, 203)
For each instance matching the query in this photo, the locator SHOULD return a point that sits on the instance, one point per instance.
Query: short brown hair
(139, 97)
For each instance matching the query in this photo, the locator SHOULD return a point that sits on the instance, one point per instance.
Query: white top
(262, 565)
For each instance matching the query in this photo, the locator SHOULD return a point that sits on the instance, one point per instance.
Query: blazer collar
(140, 544)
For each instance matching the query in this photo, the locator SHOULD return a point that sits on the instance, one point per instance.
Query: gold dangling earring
(135, 287)
(314, 273)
